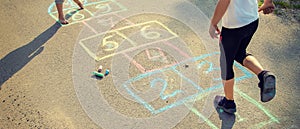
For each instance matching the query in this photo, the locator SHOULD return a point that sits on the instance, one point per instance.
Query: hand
(214, 31)
(267, 7)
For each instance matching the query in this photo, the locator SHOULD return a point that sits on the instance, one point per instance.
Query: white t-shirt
(240, 13)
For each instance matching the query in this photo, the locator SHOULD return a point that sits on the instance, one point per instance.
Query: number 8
(77, 14)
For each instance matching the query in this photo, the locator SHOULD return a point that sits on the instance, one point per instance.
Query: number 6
(149, 35)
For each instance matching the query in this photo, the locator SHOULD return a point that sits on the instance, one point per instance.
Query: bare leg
(266, 83)
(228, 88)
(61, 16)
(252, 64)
(79, 3)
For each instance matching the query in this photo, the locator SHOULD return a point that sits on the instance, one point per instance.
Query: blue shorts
(59, 1)
(233, 44)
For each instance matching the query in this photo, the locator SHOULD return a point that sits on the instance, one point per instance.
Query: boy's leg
(267, 79)
(252, 64)
(228, 88)
(248, 60)
(229, 46)
(243, 57)
(227, 103)
(61, 17)
(79, 3)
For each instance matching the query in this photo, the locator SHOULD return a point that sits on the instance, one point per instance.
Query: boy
(239, 23)
(59, 6)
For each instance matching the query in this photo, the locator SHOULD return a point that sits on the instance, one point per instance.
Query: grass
(297, 6)
(283, 4)
(260, 3)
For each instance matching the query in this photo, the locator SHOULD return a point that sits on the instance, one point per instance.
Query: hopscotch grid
(177, 103)
(208, 90)
(180, 102)
(123, 28)
(245, 96)
(125, 37)
(149, 107)
(69, 8)
(96, 58)
(52, 13)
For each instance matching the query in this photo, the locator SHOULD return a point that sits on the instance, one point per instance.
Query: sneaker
(267, 87)
(227, 105)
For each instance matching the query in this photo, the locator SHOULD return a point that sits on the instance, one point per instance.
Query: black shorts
(233, 44)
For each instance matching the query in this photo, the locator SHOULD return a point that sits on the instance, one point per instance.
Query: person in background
(59, 6)
(239, 23)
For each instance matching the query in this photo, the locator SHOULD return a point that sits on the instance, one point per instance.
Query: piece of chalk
(98, 74)
(100, 69)
(106, 72)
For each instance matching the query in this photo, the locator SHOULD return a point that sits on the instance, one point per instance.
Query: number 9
(104, 6)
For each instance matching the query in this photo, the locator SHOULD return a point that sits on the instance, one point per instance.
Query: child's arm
(267, 7)
(220, 10)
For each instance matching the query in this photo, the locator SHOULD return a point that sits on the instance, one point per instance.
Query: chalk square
(105, 7)
(188, 81)
(106, 23)
(86, 14)
(187, 92)
(101, 46)
(73, 15)
(147, 32)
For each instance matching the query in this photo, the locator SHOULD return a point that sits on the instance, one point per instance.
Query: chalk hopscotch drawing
(163, 96)
(111, 45)
(95, 8)
(106, 41)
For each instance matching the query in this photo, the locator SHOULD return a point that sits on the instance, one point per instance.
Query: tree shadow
(227, 119)
(17, 59)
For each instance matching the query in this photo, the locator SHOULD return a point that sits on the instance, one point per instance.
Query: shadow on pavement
(17, 59)
(227, 119)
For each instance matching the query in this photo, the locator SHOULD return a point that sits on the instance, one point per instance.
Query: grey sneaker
(267, 87)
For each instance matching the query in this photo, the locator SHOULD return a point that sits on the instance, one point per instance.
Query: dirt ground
(41, 68)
